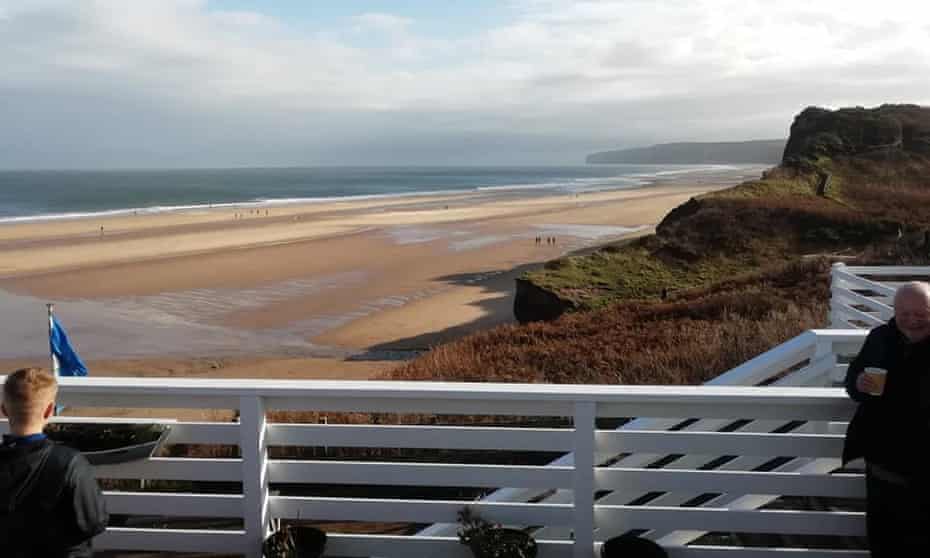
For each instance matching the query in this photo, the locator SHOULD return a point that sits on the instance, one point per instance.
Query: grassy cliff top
(770, 221)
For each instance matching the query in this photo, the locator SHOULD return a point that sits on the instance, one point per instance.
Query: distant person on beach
(50, 504)
(890, 378)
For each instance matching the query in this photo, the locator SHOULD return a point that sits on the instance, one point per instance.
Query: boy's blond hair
(27, 393)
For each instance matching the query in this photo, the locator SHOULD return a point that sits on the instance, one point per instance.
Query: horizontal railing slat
(851, 297)
(719, 443)
(138, 399)
(858, 282)
(889, 270)
(204, 433)
(388, 546)
(701, 551)
(171, 468)
(171, 540)
(176, 505)
(762, 367)
(438, 405)
(739, 482)
(173, 391)
(793, 522)
(419, 474)
(779, 522)
(415, 511)
(745, 409)
(421, 437)
(850, 313)
(180, 433)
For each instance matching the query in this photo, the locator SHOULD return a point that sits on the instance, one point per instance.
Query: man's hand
(867, 383)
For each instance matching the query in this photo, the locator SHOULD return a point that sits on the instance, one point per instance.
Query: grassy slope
(686, 341)
(757, 224)
(739, 264)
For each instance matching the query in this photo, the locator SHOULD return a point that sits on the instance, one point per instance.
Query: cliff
(876, 208)
(883, 133)
(727, 275)
(738, 152)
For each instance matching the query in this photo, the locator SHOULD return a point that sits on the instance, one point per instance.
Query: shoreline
(640, 181)
(342, 280)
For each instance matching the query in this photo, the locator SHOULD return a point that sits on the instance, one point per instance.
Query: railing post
(823, 350)
(585, 413)
(254, 472)
(836, 319)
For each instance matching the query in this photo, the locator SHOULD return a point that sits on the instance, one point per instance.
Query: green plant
(292, 541)
(487, 540)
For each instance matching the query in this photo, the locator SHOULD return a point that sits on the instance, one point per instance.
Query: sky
(230, 83)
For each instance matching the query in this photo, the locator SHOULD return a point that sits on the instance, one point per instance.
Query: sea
(46, 195)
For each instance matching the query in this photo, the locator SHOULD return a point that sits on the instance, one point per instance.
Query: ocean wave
(260, 202)
(575, 185)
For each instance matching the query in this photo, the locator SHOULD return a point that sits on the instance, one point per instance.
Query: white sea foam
(228, 205)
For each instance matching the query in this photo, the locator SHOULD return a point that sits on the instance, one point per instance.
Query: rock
(885, 131)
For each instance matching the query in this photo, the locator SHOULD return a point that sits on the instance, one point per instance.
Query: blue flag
(69, 363)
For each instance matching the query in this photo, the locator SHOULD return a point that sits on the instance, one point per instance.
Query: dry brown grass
(685, 341)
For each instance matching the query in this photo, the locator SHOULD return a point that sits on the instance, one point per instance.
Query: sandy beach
(334, 289)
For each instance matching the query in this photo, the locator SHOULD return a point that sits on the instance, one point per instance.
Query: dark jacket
(50, 504)
(892, 429)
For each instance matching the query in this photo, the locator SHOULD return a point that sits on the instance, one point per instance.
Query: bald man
(890, 378)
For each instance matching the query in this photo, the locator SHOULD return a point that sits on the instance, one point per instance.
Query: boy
(50, 504)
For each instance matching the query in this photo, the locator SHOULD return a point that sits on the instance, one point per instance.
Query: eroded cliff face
(533, 303)
(885, 131)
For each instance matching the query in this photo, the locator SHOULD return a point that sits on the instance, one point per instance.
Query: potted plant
(294, 541)
(106, 444)
(487, 540)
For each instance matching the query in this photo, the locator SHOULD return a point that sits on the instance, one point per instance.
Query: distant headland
(696, 153)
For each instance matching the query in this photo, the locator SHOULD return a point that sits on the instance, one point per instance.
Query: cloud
(382, 22)
(559, 75)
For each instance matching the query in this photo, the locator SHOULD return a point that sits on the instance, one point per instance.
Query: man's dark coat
(891, 430)
(50, 504)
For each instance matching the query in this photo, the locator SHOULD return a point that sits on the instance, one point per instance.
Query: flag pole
(51, 353)
(51, 327)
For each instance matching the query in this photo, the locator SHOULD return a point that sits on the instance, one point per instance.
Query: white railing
(862, 296)
(243, 494)
(808, 360)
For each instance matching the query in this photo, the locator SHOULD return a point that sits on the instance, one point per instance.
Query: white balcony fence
(862, 297)
(696, 459)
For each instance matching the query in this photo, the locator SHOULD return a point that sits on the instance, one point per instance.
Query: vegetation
(685, 341)
(487, 540)
(768, 222)
(291, 541)
(727, 275)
